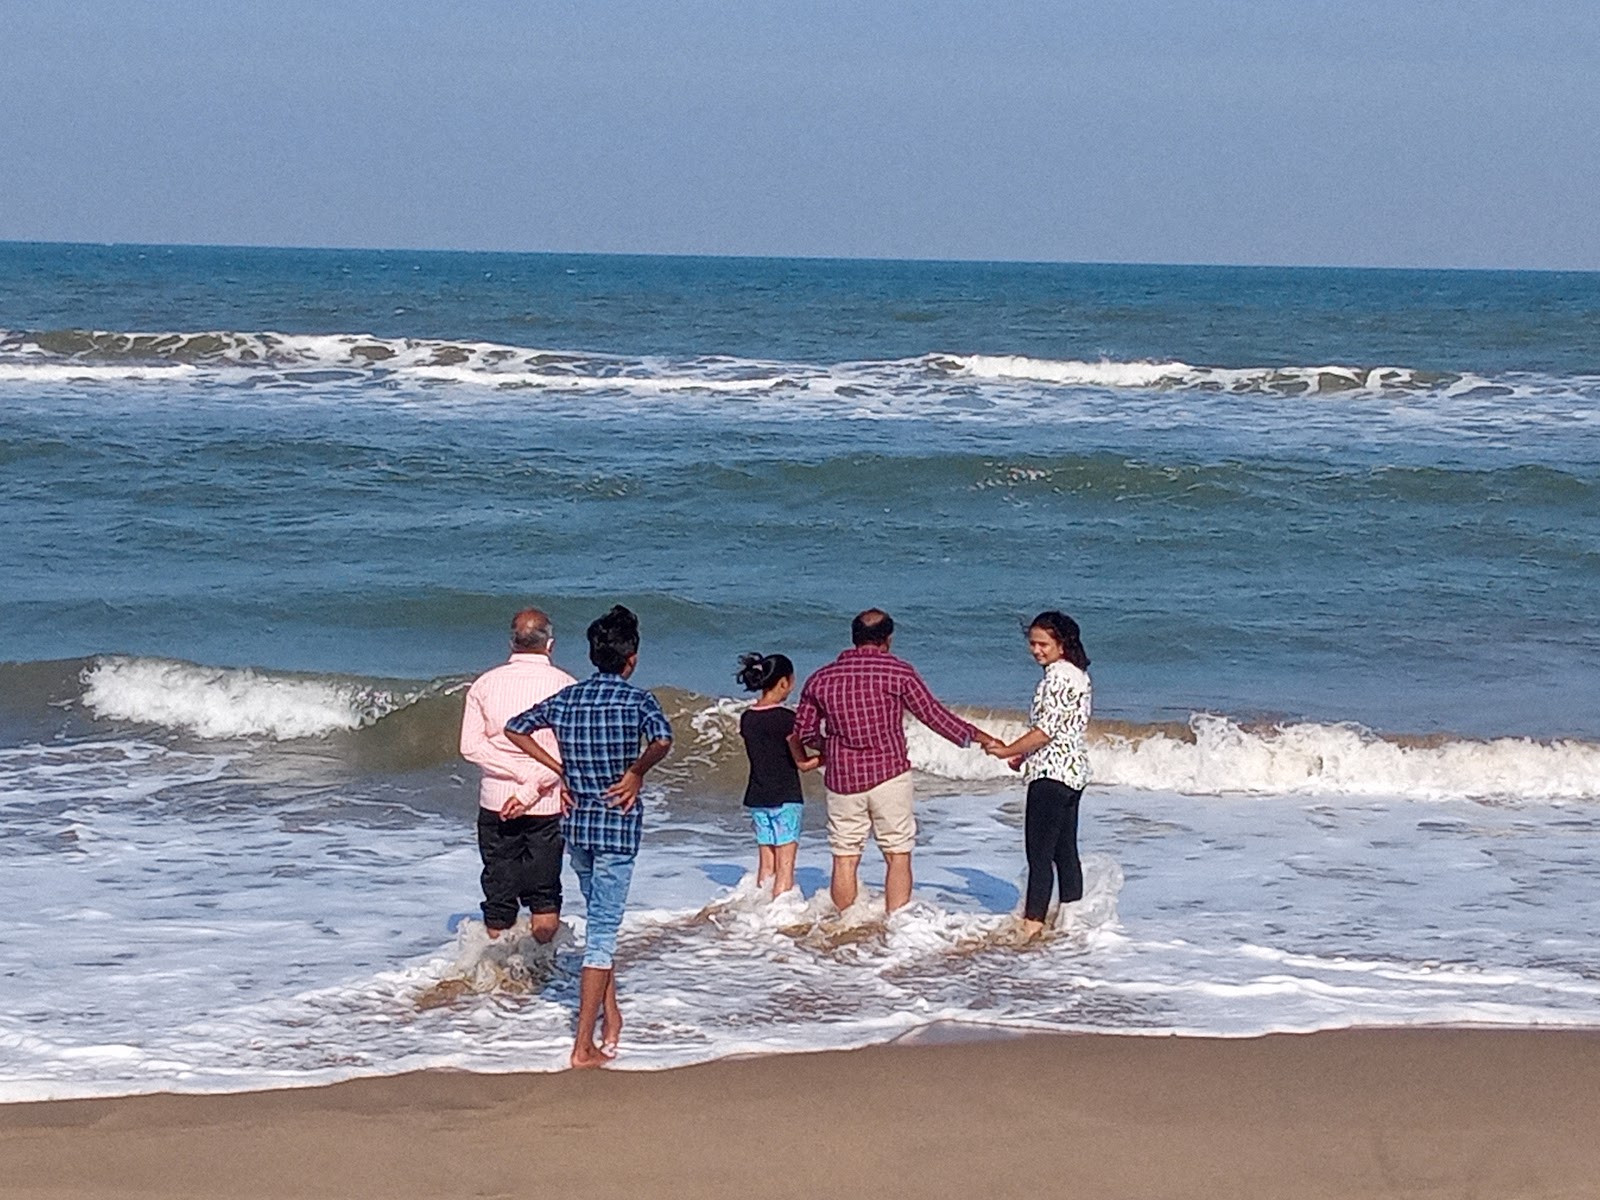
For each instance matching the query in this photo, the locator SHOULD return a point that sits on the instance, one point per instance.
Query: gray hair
(530, 632)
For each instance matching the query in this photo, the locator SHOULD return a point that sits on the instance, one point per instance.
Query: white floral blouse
(1061, 706)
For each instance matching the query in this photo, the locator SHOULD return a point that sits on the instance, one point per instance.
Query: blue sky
(1396, 133)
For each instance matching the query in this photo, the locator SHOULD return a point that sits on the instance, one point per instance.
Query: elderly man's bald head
(530, 632)
(872, 628)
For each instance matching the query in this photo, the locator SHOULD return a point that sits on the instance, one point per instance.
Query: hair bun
(758, 672)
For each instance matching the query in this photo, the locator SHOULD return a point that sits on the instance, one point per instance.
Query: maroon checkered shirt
(852, 708)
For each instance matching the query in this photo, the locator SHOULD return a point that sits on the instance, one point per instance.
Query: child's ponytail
(758, 672)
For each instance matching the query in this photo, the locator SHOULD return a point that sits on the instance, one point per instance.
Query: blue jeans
(604, 878)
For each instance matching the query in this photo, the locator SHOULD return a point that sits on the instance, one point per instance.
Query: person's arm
(922, 705)
(797, 752)
(519, 732)
(802, 760)
(656, 730)
(525, 743)
(807, 731)
(1062, 714)
(1034, 739)
(475, 746)
(624, 793)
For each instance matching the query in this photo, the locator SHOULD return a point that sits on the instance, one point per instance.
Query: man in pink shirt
(854, 708)
(519, 800)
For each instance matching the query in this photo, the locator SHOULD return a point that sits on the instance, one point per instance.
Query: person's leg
(786, 844)
(593, 985)
(848, 826)
(609, 878)
(592, 982)
(785, 856)
(891, 806)
(495, 847)
(1069, 868)
(611, 1022)
(1041, 826)
(542, 876)
(843, 886)
(767, 865)
(896, 881)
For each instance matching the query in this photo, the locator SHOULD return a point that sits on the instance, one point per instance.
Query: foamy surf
(322, 955)
(1223, 757)
(882, 386)
(1213, 756)
(1312, 380)
(225, 702)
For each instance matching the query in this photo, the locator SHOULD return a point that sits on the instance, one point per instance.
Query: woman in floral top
(1053, 759)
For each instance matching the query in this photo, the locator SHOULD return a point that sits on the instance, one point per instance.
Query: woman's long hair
(1065, 631)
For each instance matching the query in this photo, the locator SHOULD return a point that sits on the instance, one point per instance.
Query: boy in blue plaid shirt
(610, 733)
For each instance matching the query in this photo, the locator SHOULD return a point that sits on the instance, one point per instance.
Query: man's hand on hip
(624, 793)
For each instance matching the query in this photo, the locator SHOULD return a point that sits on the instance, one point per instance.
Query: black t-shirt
(774, 779)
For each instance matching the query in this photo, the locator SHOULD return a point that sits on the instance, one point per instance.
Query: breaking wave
(395, 724)
(1328, 379)
(287, 359)
(225, 702)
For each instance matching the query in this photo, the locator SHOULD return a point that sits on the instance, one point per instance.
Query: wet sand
(1337, 1115)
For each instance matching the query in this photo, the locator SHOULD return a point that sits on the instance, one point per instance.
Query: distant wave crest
(1328, 379)
(318, 359)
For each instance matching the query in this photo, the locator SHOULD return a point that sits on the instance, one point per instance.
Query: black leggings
(1051, 828)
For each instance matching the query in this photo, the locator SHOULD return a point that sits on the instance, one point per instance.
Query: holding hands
(1012, 752)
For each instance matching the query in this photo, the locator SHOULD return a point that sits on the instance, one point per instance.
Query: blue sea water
(1333, 537)
(750, 450)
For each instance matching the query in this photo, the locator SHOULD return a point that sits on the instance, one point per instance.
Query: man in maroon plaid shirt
(852, 708)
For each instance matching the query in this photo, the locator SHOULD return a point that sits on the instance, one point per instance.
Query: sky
(1395, 133)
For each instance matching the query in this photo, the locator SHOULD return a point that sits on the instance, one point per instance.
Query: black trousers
(1050, 827)
(521, 865)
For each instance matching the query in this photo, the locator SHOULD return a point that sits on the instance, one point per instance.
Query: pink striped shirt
(494, 698)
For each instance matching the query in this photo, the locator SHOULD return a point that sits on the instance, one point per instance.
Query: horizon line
(817, 258)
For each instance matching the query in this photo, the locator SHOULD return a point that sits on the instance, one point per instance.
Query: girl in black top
(773, 793)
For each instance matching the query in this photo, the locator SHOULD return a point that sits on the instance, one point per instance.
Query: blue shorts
(777, 826)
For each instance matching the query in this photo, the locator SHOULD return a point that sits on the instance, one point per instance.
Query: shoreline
(1402, 1112)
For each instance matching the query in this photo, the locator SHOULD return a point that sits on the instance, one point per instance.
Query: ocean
(1333, 537)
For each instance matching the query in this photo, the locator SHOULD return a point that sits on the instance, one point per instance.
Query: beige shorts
(885, 811)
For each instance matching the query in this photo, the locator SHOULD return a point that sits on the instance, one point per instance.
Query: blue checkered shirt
(602, 724)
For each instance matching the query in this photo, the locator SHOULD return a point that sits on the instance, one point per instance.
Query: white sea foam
(1326, 379)
(223, 702)
(1348, 760)
(70, 372)
(1069, 372)
(320, 951)
(882, 387)
(1220, 756)
(1303, 759)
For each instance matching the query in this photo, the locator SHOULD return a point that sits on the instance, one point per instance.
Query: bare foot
(587, 1057)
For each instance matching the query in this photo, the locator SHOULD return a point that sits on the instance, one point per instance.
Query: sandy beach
(1349, 1114)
